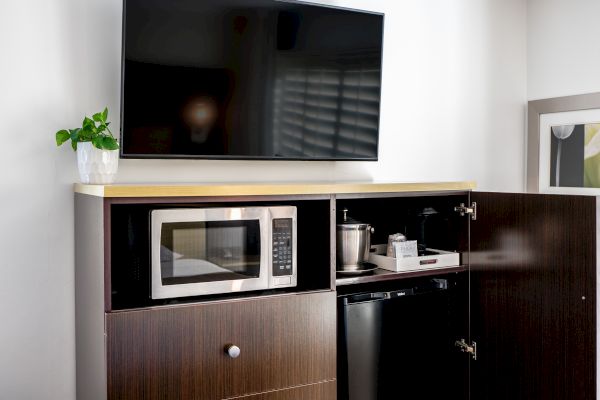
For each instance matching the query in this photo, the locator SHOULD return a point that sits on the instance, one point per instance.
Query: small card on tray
(406, 249)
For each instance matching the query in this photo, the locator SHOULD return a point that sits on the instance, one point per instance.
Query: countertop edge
(264, 188)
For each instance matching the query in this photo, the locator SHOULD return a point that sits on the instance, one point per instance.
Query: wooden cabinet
(130, 346)
(527, 295)
(530, 263)
(179, 352)
(533, 297)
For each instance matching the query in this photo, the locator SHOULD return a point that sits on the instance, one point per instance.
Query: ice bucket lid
(350, 224)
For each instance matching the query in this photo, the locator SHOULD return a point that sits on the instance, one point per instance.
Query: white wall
(454, 92)
(563, 50)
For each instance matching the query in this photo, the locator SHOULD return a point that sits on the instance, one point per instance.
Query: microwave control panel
(282, 247)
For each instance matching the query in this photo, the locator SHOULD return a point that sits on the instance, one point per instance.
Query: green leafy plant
(93, 130)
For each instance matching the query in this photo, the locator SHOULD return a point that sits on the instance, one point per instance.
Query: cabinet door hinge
(465, 348)
(464, 210)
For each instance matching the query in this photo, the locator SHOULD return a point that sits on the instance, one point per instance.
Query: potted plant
(96, 147)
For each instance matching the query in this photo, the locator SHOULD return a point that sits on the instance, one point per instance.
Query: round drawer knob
(232, 350)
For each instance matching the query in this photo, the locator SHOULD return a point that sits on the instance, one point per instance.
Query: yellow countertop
(264, 188)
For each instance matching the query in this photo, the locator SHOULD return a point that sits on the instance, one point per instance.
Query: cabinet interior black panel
(431, 220)
(130, 251)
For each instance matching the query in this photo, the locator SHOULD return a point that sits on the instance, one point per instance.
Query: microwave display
(209, 251)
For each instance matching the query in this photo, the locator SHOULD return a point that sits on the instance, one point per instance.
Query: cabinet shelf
(380, 275)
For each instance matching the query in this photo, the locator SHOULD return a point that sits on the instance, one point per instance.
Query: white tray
(443, 259)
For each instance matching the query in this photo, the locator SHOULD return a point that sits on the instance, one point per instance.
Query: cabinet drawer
(179, 352)
(318, 391)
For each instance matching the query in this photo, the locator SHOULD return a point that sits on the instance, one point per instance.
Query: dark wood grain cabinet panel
(533, 297)
(318, 391)
(179, 352)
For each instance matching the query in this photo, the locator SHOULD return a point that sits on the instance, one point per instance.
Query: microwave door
(209, 254)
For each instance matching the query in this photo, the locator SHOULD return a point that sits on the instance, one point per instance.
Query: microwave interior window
(209, 251)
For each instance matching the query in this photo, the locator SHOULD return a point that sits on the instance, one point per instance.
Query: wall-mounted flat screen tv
(250, 79)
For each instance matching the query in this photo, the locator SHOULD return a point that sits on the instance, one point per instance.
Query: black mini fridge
(399, 344)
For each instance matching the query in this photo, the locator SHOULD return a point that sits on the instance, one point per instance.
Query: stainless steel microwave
(204, 251)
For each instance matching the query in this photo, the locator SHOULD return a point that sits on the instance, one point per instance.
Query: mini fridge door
(399, 344)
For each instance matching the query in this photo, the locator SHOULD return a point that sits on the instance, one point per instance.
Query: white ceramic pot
(96, 167)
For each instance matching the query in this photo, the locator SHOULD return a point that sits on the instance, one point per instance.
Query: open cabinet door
(533, 297)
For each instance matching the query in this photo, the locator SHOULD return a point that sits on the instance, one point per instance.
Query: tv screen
(250, 79)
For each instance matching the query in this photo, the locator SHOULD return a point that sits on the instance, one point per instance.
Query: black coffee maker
(422, 221)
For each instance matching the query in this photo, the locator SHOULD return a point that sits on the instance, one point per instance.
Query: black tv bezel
(124, 155)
